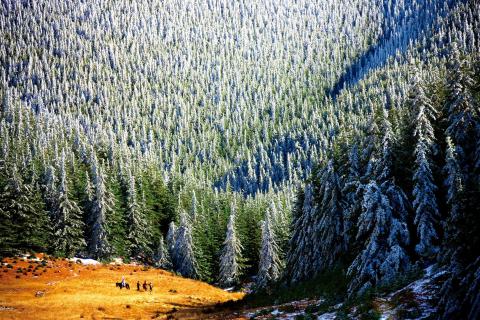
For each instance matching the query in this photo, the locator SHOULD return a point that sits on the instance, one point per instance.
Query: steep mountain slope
(122, 120)
(200, 88)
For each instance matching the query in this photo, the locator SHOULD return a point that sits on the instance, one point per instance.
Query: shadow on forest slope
(398, 33)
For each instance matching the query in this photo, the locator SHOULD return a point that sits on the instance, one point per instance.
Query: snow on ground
(328, 316)
(415, 297)
(117, 261)
(85, 261)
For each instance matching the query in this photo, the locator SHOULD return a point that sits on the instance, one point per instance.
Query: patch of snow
(85, 261)
(117, 261)
(276, 312)
(229, 289)
(337, 306)
(26, 257)
(327, 316)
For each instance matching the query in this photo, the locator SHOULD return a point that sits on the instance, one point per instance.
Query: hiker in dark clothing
(138, 285)
(150, 286)
(145, 285)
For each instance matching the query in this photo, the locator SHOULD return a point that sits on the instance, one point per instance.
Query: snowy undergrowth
(413, 300)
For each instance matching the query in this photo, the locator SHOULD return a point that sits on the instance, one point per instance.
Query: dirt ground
(48, 288)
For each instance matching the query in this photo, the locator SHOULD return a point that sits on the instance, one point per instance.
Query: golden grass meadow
(49, 288)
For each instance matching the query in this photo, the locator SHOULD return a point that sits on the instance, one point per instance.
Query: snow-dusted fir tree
(23, 220)
(170, 241)
(371, 148)
(462, 108)
(194, 207)
(384, 255)
(270, 265)
(330, 242)
(137, 224)
(162, 256)
(302, 242)
(425, 201)
(49, 190)
(101, 207)
(351, 195)
(455, 188)
(185, 262)
(382, 226)
(68, 225)
(230, 256)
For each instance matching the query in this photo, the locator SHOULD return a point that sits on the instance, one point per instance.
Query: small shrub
(17, 276)
(9, 266)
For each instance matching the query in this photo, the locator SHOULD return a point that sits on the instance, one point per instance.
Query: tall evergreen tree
(351, 198)
(102, 204)
(331, 241)
(230, 256)
(425, 201)
(461, 106)
(68, 225)
(171, 239)
(270, 265)
(185, 262)
(162, 256)
(301, 246)
(384, 256)
(24, 221)
(382, 226)
(136, 221)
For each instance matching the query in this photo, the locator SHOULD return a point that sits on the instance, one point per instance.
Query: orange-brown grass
(73, 291)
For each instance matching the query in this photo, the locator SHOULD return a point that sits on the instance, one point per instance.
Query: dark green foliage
(330, 285)
(24, 222)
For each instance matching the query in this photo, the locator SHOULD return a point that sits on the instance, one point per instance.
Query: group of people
(146, 286)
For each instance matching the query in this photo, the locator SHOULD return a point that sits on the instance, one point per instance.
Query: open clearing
(48, 288)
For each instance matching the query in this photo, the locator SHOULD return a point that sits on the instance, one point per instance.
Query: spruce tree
(425, 201)
(461, 106)
(330, 243)
(382, 225)
(136, 222)
(351, 198)
(162, 256)
(171, 239)
(296, 255)
(102, 204)
(270, 265)
(230, 256)
(384, 256)
(24, 219)
(185, 262)
(68, 225)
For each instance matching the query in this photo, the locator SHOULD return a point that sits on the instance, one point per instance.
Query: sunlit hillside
(61, 289)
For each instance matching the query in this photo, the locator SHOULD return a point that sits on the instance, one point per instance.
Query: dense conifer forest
(225, 140)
